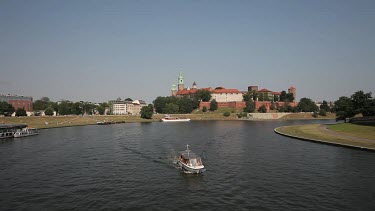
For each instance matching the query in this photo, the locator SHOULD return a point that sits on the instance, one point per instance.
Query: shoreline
(321, 134)
(44, 122)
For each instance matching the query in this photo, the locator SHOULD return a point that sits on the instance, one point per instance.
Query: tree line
(180, 105)
(358, 103)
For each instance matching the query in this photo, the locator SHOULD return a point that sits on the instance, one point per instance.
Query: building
(232, 98)
(18, 101)
(120, 107)
(292, 90)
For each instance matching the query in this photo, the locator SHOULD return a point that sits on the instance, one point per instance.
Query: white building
(221, 94)
(127, 107)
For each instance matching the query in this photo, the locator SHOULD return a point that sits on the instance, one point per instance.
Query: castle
(232, 97)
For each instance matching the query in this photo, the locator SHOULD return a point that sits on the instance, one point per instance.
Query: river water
(130, 166)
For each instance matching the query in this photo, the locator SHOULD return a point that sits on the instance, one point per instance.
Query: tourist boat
(26, 132)
(174, 119)
(8, 130)
(190, 162)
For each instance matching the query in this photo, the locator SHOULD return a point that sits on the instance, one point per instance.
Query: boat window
(193, 162)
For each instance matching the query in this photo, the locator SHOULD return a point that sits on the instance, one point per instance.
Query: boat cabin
(8, 130)
(190, 159)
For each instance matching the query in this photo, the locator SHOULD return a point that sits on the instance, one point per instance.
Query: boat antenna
(187, 149)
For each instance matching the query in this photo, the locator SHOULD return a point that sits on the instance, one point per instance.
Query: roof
(264, 90)
(225, 91)
(10, 126)
(276, 93)
(186, 92)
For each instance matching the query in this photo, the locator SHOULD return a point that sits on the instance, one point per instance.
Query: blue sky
(100, 50)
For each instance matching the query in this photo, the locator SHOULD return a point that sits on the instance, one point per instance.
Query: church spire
(181, 82)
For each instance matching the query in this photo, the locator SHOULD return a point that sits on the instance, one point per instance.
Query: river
(130, 167)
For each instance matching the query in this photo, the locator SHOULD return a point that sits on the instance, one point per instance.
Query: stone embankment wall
(256, 116)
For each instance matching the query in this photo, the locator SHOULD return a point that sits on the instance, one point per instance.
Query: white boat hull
(197, 170)
(175, 120)
(26, 132)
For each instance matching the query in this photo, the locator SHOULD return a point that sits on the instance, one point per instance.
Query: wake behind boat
(190, 162)
(174, 119)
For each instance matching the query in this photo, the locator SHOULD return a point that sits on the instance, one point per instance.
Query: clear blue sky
(100, 50)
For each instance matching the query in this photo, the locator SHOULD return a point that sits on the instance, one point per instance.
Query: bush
(242, 114)
(204, 109)
(322, 112)
(226, 114)
(315, 114)
(21, 112)
(250, 106)
(48, 111)
(262, 109)
(213, 105)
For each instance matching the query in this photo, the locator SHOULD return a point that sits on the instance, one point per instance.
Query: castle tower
(174, 89)
(194, 87)
(181, 82)
(292, 90)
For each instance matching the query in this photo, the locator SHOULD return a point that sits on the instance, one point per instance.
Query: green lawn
(315, 131)
(361, 131)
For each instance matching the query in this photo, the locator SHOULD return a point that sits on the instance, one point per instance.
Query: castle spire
(181, 82)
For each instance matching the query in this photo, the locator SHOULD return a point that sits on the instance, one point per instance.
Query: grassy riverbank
(67, 121)
(342, 134)
(307, 116)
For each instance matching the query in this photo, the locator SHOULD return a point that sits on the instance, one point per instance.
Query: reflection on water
(132, 166)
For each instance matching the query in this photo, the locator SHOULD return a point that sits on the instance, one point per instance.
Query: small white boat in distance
(26, 132)
(190, 162)
(174, 119)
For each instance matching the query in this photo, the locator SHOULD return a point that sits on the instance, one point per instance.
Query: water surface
(130, 166)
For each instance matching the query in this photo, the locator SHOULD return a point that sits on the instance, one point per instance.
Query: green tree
(247, 96)
(101, 108)
(295, 109)
(64, 108)
(6, 109)
(185, 105)
(250, 106)
(283, 96)
(204, 109)
(171, 108)
(129, 99)
(275, 98)
(262, 109)
(226, 114)
(360, 100)
(322, 112)
(289, 97)
(21, 112)
(76, 108)
(344, 108)
(315, 114)
(48, 111)
(147, 111)
(213, 105)
(39, 105)
(324, 106)
(369, 108)
(203, 95)
(307, 105)
(160, 103)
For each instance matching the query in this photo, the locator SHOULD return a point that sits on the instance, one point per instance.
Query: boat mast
(187, 149)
